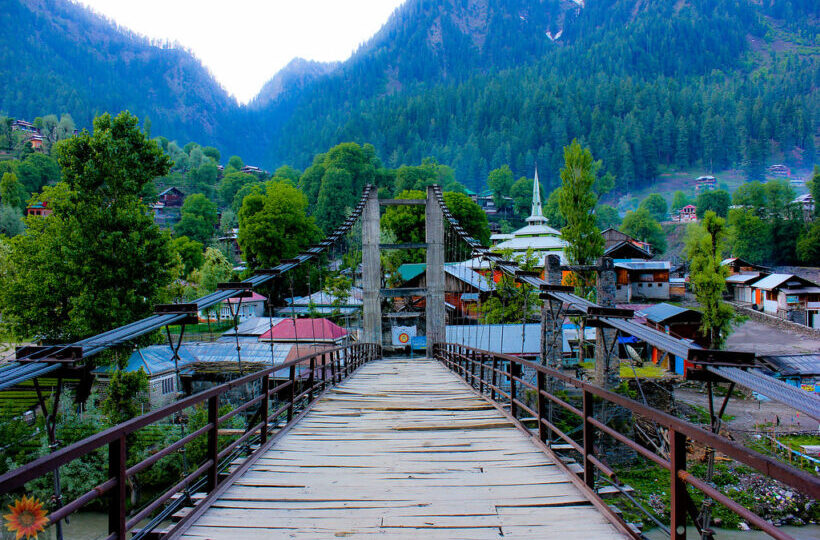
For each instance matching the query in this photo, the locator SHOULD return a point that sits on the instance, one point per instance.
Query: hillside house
(613, 240)
(463, 288)
(36, 142)
(806, 205)
(740, 287)
(789, 297)
(39, 209)
(705, 183)
(171, 198)
(737, 265)
(244, 308)
(487, 203)
(688, 214)
(779, 170)
(250, 169)
(22, 125)
(647, 280)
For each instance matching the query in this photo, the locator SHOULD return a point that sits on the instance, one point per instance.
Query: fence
(295, 394)
(499, 377)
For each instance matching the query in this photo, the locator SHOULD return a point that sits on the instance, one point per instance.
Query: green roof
(408, 271)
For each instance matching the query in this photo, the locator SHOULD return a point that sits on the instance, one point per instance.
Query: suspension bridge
(463, 443)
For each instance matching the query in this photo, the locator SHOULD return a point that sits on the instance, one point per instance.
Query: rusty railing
(498, 377)
(295, 393)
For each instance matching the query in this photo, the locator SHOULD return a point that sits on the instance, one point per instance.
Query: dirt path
(749, 413)
(756, 337)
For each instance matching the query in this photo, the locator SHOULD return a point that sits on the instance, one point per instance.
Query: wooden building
(737, 265)
(647, 280)
(789, 297)
(171, 197)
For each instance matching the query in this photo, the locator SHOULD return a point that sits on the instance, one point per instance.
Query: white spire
(537, 215)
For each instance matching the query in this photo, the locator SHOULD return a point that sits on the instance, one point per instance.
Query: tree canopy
(98, 261)
(642, 226)
(275, 225)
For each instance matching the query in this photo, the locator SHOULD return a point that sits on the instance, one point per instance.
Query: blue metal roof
(660, 313)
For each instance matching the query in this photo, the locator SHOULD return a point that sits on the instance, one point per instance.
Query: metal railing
(295, 395)
(499, 378)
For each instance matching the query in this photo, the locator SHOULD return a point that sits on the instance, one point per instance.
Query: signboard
(418, 343)
(813, 305)
(790, 299)
(808, 387)
(402, 335)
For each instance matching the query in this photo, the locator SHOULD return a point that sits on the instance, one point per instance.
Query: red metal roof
(304, 330)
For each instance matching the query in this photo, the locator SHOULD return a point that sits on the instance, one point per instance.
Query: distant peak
(297, 74)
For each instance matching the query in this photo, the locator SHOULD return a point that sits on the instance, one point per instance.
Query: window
(167, 385)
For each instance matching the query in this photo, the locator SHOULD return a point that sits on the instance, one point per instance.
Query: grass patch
(647, 371)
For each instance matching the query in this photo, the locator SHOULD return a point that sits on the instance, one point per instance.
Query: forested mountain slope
(645, 84)
(58, 57)
(649, 85)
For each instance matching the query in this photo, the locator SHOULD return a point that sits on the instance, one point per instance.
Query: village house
(705, 183)
(779, 170)
(806, 205)
(737, 265)
(789, 297)
(463, 288)
(243, 308)
(36, 142)
(688, 214)
(619, 245)
(171, 198)
(39, 209)
(486, 201)
(647, 280)
(740, 287)
(250, 169)
(306, 331)
(800, 370)
(22, 125)
(679, 322)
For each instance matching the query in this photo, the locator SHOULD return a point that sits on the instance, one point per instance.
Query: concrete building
(789, 297)
(244, 308)
(740, 287)
(646, 280)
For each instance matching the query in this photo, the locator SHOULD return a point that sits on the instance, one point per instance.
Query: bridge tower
(371, 270)
(434, 229)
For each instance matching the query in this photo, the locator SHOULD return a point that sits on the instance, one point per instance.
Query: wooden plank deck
(403, 449)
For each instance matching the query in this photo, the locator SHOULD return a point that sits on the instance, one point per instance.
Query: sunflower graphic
(27, 518)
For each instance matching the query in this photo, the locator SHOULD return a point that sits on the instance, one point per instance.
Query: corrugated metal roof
(744, 278)
(254, 326)
(643, 265)
(408, 271)
(468, 276)
(789, 365)
(770, 282)
(660, 313)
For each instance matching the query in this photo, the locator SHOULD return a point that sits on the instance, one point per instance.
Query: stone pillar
(607, 370)
(371, 270)
(436, 332)
(550, 326)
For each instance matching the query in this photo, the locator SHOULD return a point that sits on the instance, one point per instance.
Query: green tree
(275, 226)
(12, 192)
(679, 200)
(500, 181)
(469, 215)
(606, 217)
(406, 225)
(286, 172)
(511, 302)
(705, 243)
(38, 170)
(98, 261)
(656, 205)
(125, 395)
(199, 218)
(215, 269)
(749, 235)
(642, 226)
(521, 193)
(203, 178)
(338, 179)
(552, 210)
(577, 202)
(814, 189)
(190, 252)
(230, 185)
(235, 162)
(212, 153)
(256, 187)
(11, 221)
(718, 201)
(808, 246)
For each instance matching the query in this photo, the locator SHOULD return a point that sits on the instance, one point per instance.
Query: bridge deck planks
(403, 449)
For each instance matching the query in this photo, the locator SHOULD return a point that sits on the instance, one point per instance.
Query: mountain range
(476, 84)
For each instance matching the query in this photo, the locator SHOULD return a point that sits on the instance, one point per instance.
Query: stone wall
(777, 322)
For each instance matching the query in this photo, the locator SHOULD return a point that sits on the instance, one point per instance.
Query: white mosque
(536, 235)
